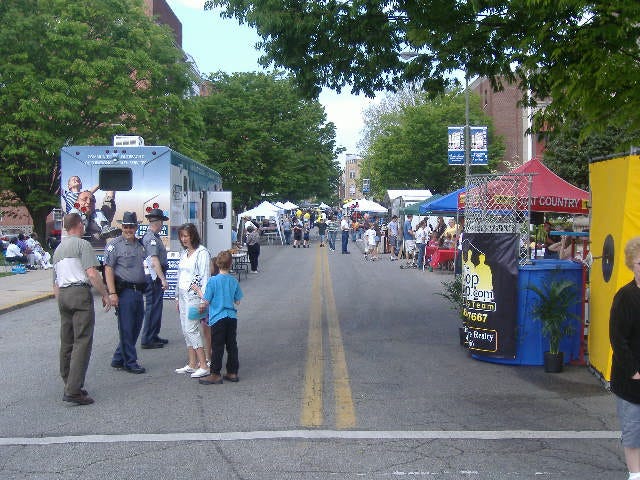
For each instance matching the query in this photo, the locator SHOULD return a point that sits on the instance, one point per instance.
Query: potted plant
(555, 299)
(453, 293)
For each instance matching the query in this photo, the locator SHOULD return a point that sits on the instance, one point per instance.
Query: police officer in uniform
(124, 272)
(156, 280)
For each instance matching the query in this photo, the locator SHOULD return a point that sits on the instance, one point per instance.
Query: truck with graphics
(102, 182)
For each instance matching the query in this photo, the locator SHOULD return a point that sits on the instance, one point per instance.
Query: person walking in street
(322, 230)
(74, 263)
(332, 232)
(408, 237)
(194, 268)
(421, 242)
(392, 229)
(253, 247)
(624, 335)
(344, 228)
(297, 233)
(222, 294)
(156, 281)
(286, 228)
(124, 272)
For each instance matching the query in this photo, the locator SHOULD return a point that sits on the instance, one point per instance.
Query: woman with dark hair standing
(253, 247)
(624, 334)
(194, 268)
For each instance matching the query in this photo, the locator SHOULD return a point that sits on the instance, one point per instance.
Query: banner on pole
(479, 154)
(456, 145)
(479, 146)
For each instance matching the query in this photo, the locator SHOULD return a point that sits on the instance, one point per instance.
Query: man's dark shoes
(213, 379)
(80, 399)
(117, 365)
(135, 369)
(147, 346)
(231, 377)
(164, 341)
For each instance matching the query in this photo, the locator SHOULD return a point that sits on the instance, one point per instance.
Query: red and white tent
(549, 192)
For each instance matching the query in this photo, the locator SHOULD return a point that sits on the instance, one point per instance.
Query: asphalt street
(348, 369)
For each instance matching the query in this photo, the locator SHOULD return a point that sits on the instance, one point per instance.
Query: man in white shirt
(75, 265)
(344, 227)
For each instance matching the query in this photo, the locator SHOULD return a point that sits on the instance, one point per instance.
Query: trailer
(130, 176)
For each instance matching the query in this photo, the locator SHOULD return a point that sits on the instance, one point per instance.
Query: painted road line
(312, 408)
(320, 435)
(345, 411)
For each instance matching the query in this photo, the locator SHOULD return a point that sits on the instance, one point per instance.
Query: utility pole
(467, 130)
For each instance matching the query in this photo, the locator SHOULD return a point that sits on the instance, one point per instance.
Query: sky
(222, 44)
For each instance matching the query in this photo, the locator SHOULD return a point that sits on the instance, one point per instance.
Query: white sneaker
(185, 369)
(201, 372)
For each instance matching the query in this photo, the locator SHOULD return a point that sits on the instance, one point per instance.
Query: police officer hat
(129, 218)
(156, 214)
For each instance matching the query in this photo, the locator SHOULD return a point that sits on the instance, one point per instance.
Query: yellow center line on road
(312, 406)
(314, 372)
(345, 411)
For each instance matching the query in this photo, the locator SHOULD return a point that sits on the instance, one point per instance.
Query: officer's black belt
(82, 284)
(138, 287)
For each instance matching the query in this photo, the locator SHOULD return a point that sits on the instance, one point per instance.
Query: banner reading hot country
(490, 279)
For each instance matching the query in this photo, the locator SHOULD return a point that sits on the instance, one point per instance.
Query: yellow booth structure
(615, 218)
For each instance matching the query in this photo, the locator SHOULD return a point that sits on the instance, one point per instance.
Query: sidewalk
(20, 290)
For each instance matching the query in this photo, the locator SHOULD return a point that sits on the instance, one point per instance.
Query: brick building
(350, 185)
(511, 122)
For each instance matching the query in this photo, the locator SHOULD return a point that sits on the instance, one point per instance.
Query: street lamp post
(467, 130)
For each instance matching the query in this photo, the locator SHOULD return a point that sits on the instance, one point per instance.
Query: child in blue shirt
(222, 294)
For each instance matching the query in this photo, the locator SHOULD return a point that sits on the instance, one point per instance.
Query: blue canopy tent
(446, 205)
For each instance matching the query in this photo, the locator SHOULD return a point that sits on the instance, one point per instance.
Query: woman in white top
(421, 241)
(194, 267)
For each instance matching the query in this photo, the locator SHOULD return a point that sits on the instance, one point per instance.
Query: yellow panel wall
(615, 211)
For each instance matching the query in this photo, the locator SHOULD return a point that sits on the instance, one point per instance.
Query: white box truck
(136, 178)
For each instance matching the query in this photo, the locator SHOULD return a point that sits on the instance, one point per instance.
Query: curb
(25, 303)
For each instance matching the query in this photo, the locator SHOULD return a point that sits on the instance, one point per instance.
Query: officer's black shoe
(147, 346)
(135, 369)
(117, 365)
(161, 340)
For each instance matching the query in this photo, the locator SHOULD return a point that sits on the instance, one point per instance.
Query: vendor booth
(364, 205)
(497, 271)
(444, 205)
(265, 210)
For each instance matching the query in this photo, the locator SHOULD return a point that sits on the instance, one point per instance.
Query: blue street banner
(456, 145)
(479, 146)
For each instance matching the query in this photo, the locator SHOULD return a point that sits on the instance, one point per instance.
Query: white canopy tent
(280, 205)
(289, 205)
(264, 210)
(324, 206)
(365, 205)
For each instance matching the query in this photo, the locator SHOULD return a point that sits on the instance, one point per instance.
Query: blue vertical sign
(456, 145)
(479, 146)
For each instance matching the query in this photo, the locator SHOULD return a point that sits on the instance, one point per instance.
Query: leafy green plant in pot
(453, 293)
(555, 299)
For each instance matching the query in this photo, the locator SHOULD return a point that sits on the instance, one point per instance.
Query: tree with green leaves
(79, 72)
(582, 54)
(408, 148)
(568, 153)
(266, 139)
